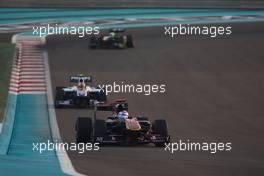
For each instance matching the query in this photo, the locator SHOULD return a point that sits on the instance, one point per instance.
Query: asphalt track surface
(214, 93)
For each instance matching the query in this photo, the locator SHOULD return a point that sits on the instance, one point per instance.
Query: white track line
(65, 162)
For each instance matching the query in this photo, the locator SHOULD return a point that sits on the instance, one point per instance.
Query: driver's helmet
(81, 85)
(119, 108)
(122, 115)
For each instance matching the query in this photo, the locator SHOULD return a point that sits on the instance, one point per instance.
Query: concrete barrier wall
(135, 3)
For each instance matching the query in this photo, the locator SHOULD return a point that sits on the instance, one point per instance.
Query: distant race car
(116, 39)
(117, 130)
(79, 95)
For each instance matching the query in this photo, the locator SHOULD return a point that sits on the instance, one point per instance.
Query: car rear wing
(76, 79)
(104, 107)
(112, 106)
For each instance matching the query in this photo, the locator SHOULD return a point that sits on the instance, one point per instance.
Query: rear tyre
(84, 129)
(160, 127)
(101, 96)
(99, 130)
(130, 41)
(59, 96)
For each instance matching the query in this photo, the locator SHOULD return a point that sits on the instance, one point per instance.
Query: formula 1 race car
(80, 94)
(116, 39)
(113, 130)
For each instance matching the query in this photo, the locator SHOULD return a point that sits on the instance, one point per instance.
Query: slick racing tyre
(99, 130)
(101, 96)
(160, 127)
(59, 95)
(84, 129)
